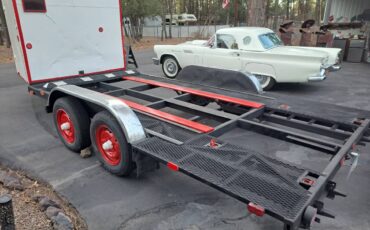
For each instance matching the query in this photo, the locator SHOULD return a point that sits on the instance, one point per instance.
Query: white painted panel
(66, 39)
(14, 35)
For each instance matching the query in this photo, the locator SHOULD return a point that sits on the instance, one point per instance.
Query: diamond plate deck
(246, 175)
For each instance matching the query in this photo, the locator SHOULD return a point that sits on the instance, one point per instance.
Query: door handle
(235, 54)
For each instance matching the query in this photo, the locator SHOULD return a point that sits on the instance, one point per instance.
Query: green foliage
(137, 9)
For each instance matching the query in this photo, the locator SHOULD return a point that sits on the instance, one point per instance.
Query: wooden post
(6, 213)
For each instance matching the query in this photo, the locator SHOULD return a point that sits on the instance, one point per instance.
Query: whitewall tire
(266, 82)
(170, 67)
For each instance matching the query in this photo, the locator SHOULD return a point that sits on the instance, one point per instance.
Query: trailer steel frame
(185, 132)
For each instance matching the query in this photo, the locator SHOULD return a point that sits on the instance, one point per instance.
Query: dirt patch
(28, 212)
(149, 42)
(6, 55)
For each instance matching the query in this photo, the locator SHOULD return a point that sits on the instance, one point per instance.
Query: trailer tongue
(217, 138)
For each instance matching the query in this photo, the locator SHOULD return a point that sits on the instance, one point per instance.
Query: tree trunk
(236, 13)
(228, 16)
(164, 29)
(301, 9)
(287, 9)
(257, 13)
(170, 9)
(318, 11)
(275, 25)
(5, 33)
(127, 34)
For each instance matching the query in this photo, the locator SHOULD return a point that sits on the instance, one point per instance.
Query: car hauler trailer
(211, 125)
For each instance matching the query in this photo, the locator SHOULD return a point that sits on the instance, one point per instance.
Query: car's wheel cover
(108, 145)
(170, 67)
(263, 80)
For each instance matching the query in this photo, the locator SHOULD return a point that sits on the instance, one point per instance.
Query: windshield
(270, 40)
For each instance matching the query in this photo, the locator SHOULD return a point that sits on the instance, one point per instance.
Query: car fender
(162, 51)
(261, 69)
(333, 54)
(161, 58)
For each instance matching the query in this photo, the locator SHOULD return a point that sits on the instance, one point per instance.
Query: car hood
(299, 51)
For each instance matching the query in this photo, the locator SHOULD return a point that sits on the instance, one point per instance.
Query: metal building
(345, 9)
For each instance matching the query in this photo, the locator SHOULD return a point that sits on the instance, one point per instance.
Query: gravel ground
(149, 42)
(6, 55)
(28, 214)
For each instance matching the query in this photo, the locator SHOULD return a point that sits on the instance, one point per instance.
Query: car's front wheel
(170, 67)
(266, 82)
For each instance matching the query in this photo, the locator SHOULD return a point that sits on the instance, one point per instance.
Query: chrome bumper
(334, 68)
(317, 78)
(156, 61)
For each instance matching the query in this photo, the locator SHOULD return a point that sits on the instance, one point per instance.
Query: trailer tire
(110, 144)
(309, 217)
(70, 113)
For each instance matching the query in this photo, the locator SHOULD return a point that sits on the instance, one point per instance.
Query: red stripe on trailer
(169, 117)
(122, 34)
(21, 37)
(224, 98)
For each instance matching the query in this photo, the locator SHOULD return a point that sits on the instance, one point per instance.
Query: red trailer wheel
(65, 126)
(72, 123)
(110, 144)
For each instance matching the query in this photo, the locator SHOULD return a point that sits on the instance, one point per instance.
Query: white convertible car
(256, 50)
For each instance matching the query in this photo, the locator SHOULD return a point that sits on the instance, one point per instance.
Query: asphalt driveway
(165, 199)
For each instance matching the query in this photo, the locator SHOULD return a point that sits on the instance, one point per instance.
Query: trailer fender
(129, 122)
